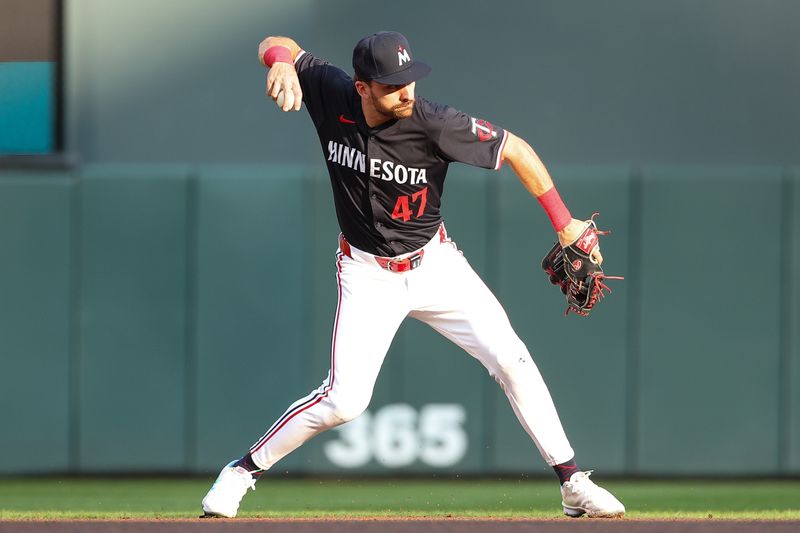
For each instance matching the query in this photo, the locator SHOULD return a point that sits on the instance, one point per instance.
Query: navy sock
(247, 463)
(565, 470)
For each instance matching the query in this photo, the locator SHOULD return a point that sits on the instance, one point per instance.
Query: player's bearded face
(393, 101)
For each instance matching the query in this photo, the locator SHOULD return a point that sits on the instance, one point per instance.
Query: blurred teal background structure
(166, 298)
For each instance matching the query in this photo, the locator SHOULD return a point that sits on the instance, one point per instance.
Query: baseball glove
(575, 272)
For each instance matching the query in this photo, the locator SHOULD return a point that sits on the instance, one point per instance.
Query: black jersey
(388, 181)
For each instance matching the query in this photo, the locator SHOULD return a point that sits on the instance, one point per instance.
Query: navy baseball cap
(385, 57)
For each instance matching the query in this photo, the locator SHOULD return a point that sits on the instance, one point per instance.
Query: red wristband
(556, 210)
(277, 54)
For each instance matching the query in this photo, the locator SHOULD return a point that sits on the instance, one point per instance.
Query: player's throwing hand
(283, 86)
(282, 78)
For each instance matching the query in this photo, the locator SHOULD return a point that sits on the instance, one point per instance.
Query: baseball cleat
(227, 491)
(581, 496)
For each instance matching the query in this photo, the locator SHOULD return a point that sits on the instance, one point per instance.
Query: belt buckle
(407, 263)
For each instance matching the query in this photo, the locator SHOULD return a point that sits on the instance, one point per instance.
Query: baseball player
(387, 152)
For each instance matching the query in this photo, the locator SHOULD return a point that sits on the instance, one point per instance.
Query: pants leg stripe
(291, 413)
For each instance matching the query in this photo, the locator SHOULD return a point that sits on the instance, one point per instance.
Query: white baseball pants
(445, 293)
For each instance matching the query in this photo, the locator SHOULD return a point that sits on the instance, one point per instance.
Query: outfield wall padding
(160, 318)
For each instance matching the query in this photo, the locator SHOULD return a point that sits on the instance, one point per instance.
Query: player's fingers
(276, 88)
(284, 96)
(278, 84)
(284, 75)
(298, 97)
(288, 100)
(293, 96)
(272, 81)
(597, 256)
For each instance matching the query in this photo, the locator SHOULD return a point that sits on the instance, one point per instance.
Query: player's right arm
(282, 75)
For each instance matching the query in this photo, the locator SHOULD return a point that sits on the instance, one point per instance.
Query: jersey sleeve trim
(499, 162)
(299, 55)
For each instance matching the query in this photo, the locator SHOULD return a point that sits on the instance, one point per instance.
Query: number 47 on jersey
(403, 205)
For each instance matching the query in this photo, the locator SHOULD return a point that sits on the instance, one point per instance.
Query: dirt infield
(397, 526)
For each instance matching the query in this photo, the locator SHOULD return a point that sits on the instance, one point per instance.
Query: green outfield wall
(159, 318)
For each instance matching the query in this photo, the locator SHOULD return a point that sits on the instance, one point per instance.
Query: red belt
(401, 265)
(395, 265)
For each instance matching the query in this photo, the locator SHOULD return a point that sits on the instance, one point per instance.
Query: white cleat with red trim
(581, 496)
(227, 491)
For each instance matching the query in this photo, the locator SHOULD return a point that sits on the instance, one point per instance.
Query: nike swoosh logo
(345, 120)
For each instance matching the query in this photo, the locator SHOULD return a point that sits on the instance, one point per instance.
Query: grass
(113, 498)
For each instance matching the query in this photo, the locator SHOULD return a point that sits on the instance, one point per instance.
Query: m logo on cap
(386, 57)
(402, 56)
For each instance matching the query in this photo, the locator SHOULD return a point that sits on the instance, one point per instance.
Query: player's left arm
(530, 170)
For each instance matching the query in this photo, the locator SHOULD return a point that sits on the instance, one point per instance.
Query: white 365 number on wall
(397, 435)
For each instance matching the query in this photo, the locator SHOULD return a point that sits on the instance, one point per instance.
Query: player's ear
(362, 88)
